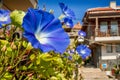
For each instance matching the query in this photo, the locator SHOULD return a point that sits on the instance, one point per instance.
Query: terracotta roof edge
(90, 9)
(95, 8)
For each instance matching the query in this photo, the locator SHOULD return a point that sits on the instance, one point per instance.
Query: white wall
(108, 56)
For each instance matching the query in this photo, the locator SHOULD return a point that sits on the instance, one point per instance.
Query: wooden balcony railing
(108, 33)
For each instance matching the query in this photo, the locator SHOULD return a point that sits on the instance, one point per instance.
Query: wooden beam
(118, 16)
(96, 26)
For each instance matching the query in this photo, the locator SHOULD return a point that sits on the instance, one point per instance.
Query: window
(103, 28)
(109, 48)
(118, 48)
(114, 28)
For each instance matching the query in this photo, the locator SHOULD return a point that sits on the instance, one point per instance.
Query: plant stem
(20, 57)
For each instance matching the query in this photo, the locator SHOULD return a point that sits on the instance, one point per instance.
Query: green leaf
(29, 46)
(30, 66)
(38, 61)
(3, 41)
(24, 43)
(7, 76)
(23, 68)
(9, 49)
(79, 61)
(53, 78)
(61, 76)
(49, 70)
(32, 57)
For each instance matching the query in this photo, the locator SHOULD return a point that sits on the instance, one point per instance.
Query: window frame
(103, 28)
(109, 48)
(117, 48)
(114, 25)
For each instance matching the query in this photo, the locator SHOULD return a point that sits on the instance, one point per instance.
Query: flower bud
(17, 17)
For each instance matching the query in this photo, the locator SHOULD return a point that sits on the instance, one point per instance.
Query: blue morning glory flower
(67, 11)
(68, 22)
(70, 52)
(4, 17)
(70, 57)
(83, 51)
(44, 32)
(81, 33)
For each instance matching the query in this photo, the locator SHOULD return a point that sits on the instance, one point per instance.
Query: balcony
(107, 39)
(107, 36)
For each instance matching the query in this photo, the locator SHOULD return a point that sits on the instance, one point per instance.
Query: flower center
(41, 38)
(83, 51)
(3, 18)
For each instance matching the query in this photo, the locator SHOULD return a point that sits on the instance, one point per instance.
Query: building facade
(103, 33)
(18, 4)
(73, 32)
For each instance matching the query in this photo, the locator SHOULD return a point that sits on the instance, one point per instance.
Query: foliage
(33, 47)
(19, 61)
(116, 69)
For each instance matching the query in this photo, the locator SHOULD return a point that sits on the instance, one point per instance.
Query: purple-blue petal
(68, 22)
(4, 14)
(62, 5)
(70, 57)
(81, 33)
(72, 51)
(67, 11)
(56, 36)
(84, 48)
(36, 18)
(0, 25)
(31, 38)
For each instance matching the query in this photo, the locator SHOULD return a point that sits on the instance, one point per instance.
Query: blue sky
(78, 6)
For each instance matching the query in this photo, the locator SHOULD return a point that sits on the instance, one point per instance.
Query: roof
(103, 9)
(77, 26)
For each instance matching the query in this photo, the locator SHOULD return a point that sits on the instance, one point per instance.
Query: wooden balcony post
(96, 27)
(118, 28)
(109, 28)
(119, 31)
